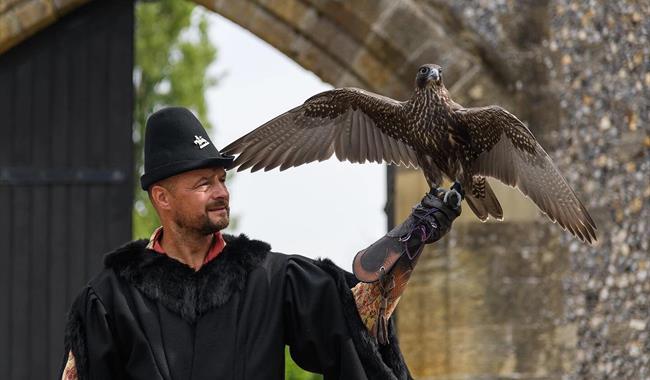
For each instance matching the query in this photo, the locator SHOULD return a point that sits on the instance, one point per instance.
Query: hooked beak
(434, 74)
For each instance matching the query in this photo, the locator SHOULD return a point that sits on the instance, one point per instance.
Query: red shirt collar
(218, 244)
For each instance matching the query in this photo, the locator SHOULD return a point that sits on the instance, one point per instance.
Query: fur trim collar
(178, 287)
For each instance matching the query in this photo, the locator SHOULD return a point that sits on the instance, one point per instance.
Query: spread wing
(504, 148)
(354, 124)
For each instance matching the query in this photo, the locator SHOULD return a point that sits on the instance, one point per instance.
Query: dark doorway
(66, 102)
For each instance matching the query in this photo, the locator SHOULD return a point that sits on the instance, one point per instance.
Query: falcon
(430, 132)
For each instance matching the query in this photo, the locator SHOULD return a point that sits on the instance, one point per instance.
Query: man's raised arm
(385, 267)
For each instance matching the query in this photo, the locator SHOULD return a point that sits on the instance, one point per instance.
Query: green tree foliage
(172, 55)
(293, 372)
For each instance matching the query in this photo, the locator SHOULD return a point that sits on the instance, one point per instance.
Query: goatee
(208, 227)
(203, 225)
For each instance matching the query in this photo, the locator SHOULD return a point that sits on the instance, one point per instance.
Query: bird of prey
(429, 131)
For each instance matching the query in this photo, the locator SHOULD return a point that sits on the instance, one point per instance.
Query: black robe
(148, 316)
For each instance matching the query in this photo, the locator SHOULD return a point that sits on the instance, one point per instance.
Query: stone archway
(374, 45)
(378, 45)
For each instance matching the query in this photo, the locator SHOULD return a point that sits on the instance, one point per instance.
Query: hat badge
(200, 141)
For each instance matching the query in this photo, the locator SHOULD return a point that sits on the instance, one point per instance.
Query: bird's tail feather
(485, 205)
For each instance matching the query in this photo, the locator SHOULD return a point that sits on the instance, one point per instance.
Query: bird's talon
(458, 188)
(453, 198)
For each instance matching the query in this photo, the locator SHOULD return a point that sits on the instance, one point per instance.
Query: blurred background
(518, 299)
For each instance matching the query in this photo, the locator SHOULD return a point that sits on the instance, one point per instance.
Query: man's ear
(160, 197)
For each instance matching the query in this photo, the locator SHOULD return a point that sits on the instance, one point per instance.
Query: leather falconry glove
(390, 261)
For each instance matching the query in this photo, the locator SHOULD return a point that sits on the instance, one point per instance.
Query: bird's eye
(424, 70)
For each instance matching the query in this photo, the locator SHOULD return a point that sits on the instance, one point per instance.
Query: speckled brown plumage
(429, 131)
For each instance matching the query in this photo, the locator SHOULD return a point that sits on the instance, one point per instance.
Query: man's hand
(430, 219)
(385, 267)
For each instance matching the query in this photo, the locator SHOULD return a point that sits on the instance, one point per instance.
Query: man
(193, 303)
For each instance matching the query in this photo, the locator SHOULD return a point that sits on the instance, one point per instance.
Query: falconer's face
(197, 200)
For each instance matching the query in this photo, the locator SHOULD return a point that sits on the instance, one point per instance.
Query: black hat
(176, 142)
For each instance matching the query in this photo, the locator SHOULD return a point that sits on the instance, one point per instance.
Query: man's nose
(220, 191)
